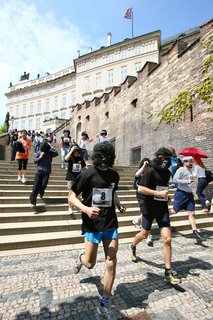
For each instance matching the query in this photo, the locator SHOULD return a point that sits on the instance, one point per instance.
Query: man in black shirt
(98, 187)
(153, 190)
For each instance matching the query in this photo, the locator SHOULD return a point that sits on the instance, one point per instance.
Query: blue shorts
(163, 220)
(183, 201)
(97, 237)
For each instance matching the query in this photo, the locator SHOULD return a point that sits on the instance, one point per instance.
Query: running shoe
(19, 178)
(172, 278)
(105, 311)
(149, 240)
(198, 236)
(133, 253)
(23, 180)
(78, 263)
(136, 224)
(70, 210)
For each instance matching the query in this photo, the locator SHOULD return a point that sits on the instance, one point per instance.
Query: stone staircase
(50, 227)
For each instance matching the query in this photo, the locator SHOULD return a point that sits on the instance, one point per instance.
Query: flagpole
(132, 24)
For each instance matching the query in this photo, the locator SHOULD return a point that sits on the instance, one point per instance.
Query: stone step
(23, 197)
(51, 190)
(73, 223)
(31, 215)
(29, 240)
(52, 181)
(79, 246)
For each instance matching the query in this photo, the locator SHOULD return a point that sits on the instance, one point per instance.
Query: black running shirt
(98, 188)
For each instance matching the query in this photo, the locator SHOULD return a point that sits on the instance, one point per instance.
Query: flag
(128, 14)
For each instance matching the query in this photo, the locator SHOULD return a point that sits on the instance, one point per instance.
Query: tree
(3, 128)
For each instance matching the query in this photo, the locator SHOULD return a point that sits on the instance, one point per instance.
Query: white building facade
(46, 102)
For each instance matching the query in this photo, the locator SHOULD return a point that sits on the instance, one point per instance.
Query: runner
(184, 198)
(153, 186)
(75, 165)
(98, 186)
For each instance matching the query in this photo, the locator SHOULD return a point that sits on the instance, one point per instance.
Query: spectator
(102, 136)
(65, 147)
(43, 159)
(22, 155)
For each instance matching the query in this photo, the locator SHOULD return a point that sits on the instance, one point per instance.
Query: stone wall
(127, 119)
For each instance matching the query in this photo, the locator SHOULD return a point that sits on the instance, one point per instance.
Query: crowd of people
(93, 191)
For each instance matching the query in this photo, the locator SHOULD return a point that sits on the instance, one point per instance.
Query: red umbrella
(194, 152)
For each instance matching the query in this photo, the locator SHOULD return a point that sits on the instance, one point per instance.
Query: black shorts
(163, 220)
(22, 164)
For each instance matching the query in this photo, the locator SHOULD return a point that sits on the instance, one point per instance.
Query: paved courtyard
(42, 285)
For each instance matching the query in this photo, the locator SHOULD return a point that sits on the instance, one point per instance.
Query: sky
(39, 36)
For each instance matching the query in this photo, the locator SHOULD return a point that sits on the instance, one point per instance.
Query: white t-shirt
(102, 139)
(199, 171)
(84, 144)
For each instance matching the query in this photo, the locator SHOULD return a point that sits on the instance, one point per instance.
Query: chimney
(89, 49)
(78, 52)
(109, 38)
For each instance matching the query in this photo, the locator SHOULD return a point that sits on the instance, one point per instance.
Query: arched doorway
(78, 132)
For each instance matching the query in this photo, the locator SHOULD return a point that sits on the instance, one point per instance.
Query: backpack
(209, 175)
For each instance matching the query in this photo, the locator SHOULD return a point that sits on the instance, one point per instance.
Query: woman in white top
(199, 170)
(83, 144)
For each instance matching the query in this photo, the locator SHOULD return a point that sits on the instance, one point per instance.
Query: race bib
(159, 198)
(76, 167)
(102, 197)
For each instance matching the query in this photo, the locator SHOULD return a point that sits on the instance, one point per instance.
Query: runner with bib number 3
(98, 186)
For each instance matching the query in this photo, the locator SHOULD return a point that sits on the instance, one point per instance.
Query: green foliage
(207, 43)
(149, 114)
(3, 128)
(177, 108)
(205, 90)
(207, 62)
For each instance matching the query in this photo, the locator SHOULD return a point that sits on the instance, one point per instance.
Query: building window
(123, 73)
(22, 124)
(123, 54)
(134, 103)
(137, 50)
(98, 62)
(137, 66)
(16, 126)
(31, 108)
(64, 100)
(56, 101)
(98, 81)
(107, 114)
(73, 82)
(38, 123)
(136, 155)
(30, 124)
(73, 98)
(47, 108)
(87, 65)
(63, 115)
(86, 85)
(88, 118)
(110, 77)
(110, 58)
(39, 107)
(24, 110)
(17, 111)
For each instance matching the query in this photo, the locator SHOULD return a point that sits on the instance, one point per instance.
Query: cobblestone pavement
(42, 286)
